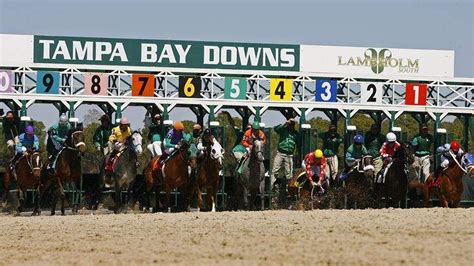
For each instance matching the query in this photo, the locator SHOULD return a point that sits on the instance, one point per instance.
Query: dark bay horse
(395, 187)
(207, 175)
(359, 183)
(68, 169)
(252, 179)
(124, 171)
(451, 184)
(28, 172)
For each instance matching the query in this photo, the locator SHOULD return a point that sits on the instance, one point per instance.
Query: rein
(454, 158)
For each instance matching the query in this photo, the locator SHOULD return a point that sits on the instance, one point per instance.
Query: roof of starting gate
(302, 77)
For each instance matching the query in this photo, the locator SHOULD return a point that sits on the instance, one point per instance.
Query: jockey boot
(240, 165)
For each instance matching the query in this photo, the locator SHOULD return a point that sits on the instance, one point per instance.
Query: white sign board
(376, 61)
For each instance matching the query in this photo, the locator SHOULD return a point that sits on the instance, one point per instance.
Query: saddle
(112, 161)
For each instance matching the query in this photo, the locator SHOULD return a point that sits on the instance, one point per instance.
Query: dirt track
(414, 236)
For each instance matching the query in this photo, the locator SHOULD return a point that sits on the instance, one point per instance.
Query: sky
(447, 25)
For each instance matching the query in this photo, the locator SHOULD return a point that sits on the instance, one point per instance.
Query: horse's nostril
(213, 151)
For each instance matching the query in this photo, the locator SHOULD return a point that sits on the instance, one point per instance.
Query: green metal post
(118, 111)
(165, 116)
(437, 125)
(257, 114)
(72, 112)
(347, 122)
(212, 114)
(24, 110)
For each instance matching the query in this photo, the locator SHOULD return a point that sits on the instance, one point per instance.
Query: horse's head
(135, 142)
(401, 154)
(75, 140)
(257, 149)
(409, 152)
(368, 166)
(36, 164)
(217, 152)
(468, 163)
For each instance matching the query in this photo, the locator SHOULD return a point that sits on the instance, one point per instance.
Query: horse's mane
(401, 153)
(69, 134)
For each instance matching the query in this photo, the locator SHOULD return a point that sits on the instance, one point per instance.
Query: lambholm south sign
(226, 57)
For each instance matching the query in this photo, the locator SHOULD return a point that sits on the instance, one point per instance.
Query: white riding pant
(155, 148)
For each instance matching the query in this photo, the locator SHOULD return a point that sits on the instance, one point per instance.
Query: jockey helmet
(124, 121)
(256, 125)
(318, 154)
(197, 127)
(454, 146)
(178, 125)
(391, 137)
(30, 130)
(207, 132)
(358, 139)
(157, 116)
(249, 126)
(63, 119)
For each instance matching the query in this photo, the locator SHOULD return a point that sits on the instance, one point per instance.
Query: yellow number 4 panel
(281, 89)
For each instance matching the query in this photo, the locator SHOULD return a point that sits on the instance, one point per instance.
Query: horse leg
(199, 199)
(168, 196)
(158, 204)
(21, 200)
(63, 199)
(262, 195)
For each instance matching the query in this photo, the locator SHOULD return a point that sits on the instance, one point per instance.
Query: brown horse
(28, 170)
(307, 196)
(451, 185)
(358, 185)
(68, 169)
(173, 174)
(207, 175)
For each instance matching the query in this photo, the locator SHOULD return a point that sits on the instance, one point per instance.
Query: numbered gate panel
(47, 82)
(416, 93)
(326, 90)
(235, 88)
(95, 83)
(143, 85)
(6, 81)
(281, 89)
(371, 92)
(189, 87)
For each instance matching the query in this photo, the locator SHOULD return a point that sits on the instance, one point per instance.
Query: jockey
(356, 151)
(242, 150)
(102, 134)
(315, 165)
(57, 135)
(119, 135)
(172, 139)
(447, 151)
(26, 141)
(354, 154)
(387, 151)
(11, 129)
(154, 136)
(206, 139)
(197, 131)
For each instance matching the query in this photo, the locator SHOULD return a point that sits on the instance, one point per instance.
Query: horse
(68, 169)
(306, 194)
(28, 173)
(359, 183)
(207, 175)
(174, 175)
(395, 187)
(252, 179)
(450, 182)
(124, 170)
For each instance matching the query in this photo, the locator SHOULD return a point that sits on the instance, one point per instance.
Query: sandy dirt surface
(390, 236)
